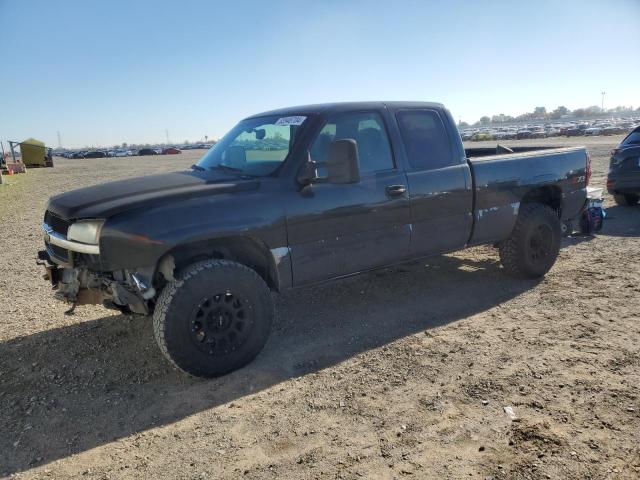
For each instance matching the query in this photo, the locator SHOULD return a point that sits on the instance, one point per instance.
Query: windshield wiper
(198, 167)
(226, 168)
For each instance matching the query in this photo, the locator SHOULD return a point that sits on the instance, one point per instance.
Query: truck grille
(58, 224)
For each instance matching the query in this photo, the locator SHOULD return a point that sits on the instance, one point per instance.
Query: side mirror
(260, 133)
(342, 165)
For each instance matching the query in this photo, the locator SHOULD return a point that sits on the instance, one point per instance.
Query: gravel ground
(403, 372)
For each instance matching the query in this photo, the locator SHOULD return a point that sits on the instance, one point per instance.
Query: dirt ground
(400, 373)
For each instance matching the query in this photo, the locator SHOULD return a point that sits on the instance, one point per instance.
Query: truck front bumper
(53, 238)
(122, 290)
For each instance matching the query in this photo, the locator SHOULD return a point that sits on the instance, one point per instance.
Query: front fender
(141, 238)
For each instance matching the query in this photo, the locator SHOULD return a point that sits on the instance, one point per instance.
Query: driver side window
(367, 129)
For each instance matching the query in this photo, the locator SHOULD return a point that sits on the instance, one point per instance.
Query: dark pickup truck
(296, 196)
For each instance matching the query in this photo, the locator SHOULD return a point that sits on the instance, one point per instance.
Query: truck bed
(481, 152)
(504, 180)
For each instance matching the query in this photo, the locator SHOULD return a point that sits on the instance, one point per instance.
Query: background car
(574, 132)
(147, 151)
(623, 179)
(95, 154)
(171, 151)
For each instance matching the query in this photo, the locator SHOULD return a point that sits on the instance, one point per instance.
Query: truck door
(336, 230)
(439, 181)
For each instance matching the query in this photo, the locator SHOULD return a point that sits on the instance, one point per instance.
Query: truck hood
(108, 199)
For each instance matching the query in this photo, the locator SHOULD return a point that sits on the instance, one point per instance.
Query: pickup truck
(296, 196)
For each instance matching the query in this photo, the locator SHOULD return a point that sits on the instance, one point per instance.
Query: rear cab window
(426, 140)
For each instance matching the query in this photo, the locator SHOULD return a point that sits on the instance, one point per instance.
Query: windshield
(633, 138)
(256, 146)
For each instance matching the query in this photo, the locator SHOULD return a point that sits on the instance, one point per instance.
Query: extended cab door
(439, 181)
(336, 230)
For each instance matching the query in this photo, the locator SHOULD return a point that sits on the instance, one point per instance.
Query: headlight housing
(85, 231)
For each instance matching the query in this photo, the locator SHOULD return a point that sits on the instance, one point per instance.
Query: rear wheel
(213, 319)
(626, 199)
(533, 246)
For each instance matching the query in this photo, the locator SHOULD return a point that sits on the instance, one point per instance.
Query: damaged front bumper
(122, 290)
(61, 241)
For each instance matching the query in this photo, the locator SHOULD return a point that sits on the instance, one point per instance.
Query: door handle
(396, 190)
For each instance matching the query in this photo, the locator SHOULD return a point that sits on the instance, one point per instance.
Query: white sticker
(297, 120)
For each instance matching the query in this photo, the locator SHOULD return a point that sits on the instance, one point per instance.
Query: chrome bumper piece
(59, 240)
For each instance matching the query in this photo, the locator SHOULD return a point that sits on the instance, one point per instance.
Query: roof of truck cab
(345, 107)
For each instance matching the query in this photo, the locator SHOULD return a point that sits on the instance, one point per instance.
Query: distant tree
(463, 124)
(559, 112)
(587, 112)
(124, 145)
(539, 112)
(502, 118)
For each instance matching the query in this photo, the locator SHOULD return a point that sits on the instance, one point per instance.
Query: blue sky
(125, 71)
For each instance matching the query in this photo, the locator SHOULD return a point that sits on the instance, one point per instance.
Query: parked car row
(196, 146)
(121, 152)
(568, 129)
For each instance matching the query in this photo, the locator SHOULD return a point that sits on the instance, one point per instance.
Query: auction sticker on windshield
(295, 120)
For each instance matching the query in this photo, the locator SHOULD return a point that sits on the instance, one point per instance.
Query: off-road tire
(182, 300)
(518, 251)
(626, 199)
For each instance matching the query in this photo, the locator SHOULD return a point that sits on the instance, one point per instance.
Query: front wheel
(214, 318)
(533, 246)
(627, 199)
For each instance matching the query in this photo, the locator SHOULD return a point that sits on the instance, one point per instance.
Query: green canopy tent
(33, 152)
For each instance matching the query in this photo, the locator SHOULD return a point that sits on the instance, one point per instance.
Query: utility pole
(59, 141)
(602, 106)
(167, 134)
